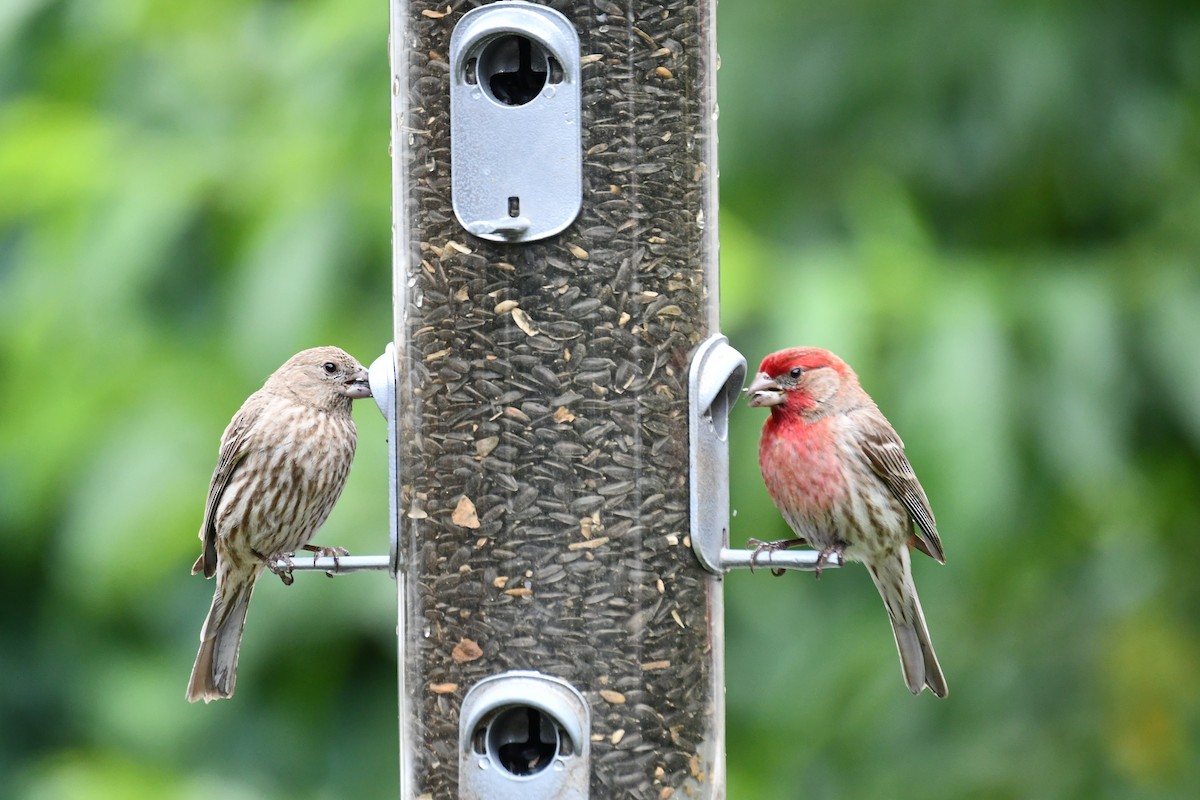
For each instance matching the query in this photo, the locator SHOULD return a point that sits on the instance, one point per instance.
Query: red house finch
(282, 464)
(837, 471)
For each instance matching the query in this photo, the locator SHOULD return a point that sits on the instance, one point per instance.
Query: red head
(804, 380)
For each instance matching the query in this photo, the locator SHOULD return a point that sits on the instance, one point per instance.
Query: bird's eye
(329, 367)
(796, 372)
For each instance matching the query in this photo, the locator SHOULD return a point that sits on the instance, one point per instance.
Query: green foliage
(990, 212)
(989, 209)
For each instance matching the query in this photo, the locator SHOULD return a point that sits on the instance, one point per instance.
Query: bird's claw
(770, 547)
(836, 549)
(280, 565)
(327, 552)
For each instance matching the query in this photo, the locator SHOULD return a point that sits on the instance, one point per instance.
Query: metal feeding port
(382, 376)
(524, 735)
(714, 384)
(516, 146)
(715, 380)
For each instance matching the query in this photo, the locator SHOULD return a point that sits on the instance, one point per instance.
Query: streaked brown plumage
(836, 469)
(282, 463)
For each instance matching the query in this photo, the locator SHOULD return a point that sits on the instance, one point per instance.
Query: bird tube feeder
(554, 179)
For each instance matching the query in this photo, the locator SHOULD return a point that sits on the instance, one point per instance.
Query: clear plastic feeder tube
(542, 405)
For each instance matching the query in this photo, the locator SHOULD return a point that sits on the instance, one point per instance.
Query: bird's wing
(232, 454)
(885, 452)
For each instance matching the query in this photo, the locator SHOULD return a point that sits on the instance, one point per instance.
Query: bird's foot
(327, 552)
(771, 547)
(836, 549)
(280, 565)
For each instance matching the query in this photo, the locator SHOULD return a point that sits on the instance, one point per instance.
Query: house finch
(837, 472)
(282, 464)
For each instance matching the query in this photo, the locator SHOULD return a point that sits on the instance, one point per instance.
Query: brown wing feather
(885, 452)
(232, 453)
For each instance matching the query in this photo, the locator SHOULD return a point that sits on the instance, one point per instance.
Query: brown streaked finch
(836, 469)
(282, 463)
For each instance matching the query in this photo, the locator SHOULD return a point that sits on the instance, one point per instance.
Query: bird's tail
(917, 659)
(215, 670)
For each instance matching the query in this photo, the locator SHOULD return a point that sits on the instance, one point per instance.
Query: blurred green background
(991, 209)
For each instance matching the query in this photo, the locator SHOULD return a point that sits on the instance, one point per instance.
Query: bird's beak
(764, 391)
(357, 387)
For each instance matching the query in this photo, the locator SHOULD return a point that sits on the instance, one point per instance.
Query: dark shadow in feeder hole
(523, 739)
(515, 69)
